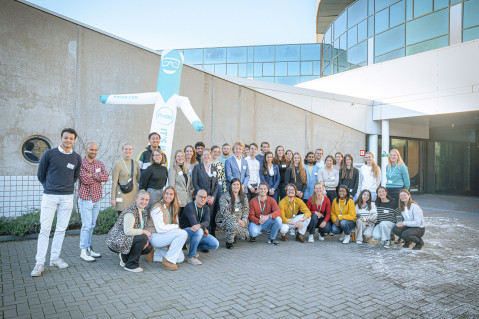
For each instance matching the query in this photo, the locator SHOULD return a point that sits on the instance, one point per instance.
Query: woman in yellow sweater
(343, 214)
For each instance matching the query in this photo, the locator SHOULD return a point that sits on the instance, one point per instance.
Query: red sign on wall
(362, 152)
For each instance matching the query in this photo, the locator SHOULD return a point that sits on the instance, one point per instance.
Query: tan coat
(119, 175)
(183, 189)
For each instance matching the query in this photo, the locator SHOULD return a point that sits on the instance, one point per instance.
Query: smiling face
(349, 161)
(382, 193)
(296, 159)
(226, 150)
(189, 152)
(169, 196)
(235, 187)
(365, 197)
(68, 139)
(310, 158)
(264, 147)
(201, 197)
(342, 193)
(269, 158)
(215, 153)
(127, 151)
(289, 155)
(142, 200)
(290, 191)
(252, 150)
(393, 156)
(180, 158)
(263, 190)
(171, 62)
(238, 150)
(339, 158)
(368, 158)
(280, 151)
(157, 157)
(206, 157)
(318, 155)
(329, 162)
(318, 189)
(154, 141)
(404, 197)
(199, 150)
(91, 150)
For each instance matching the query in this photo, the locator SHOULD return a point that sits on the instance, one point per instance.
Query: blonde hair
(238, 144)
(126, 144)
(142, 192)
(174, 205)
(376, 170)
(400, 161)
(315, 197)
(175, 164)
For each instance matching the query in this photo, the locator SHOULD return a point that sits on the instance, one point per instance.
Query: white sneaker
(194, 261)
(122, 264)
(84, 255)
(60, 263)
(137, 269)
(359, 242)
(320, 237)
(341, 238)
(92, 253)
(37, 271)
(346, 239)
(292, 231)
(311, 239)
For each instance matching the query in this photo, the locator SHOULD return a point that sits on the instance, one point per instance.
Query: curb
(6, 238)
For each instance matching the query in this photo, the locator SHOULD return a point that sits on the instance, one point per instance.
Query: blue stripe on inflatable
(169, 77)
(103, 98)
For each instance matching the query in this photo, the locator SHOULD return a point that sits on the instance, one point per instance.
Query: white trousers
(363, 229)
(286, 227)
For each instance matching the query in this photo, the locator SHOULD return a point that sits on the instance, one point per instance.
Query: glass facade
(285, 64)
(396, 28)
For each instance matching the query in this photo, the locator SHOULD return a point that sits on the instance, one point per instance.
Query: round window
(34, 147)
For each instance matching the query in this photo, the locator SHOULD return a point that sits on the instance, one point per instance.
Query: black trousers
(331, 195)
(315, 222)
(413, 234)
(394, 192)
(131, 259)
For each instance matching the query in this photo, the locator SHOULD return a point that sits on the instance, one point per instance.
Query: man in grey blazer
(237, 167)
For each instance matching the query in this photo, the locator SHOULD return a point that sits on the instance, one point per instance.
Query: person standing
(215, 152)
(397, 175)
(154, 178)
(312, 175)
(92, 174)
(283, 163)
(349, 175)
(295, 215)
(330, 178)
(144, 159)
(246, 151)
(178, 178)
(369, 176)
(225, 149)
(296, 174)
(289, 155)
(338, 161)
(253, 168)
(190, 161)
(58, 171)
(318, 154)
(124, 181)
(269, 174)
(264, 148)
(205, 176)
(264, 215)
(237, 167)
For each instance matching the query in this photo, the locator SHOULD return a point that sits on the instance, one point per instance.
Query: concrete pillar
(385, 149)
(373, 146)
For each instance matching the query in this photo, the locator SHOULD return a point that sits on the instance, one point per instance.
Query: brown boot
(284, 237)
(149, 256)
(300, 238)
(168, 265)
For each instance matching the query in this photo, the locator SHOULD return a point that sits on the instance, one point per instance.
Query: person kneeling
(195, 219)
(166, 236)
(233, 214)
(343, 214)
(412, 228)
(290, 207)
(264, 215)
(128, 237)
(366, 216)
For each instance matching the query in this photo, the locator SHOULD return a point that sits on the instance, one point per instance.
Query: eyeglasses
(202, 197)
(169, 61)
(157, 155)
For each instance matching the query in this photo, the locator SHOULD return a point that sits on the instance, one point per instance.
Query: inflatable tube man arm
(184, 104)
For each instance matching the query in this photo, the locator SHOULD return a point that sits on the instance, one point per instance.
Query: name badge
(244, 167)
(180, 173)
(350, 190)
(70, 166)
(119, 200)
(129, 180)
(390, 181)
(214, 174)
(316, 173)
(333, 178)
(386, 211)
(283, 166)
(237, 209)
(374, 186)
(98, 170)
(220, 183)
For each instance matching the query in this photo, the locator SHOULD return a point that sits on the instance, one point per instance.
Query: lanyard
(129, 175)
(341, 208)
(391, 173)
(321, 205)
(293, 208)
(198, 215)
(262, 208)
(169, 215)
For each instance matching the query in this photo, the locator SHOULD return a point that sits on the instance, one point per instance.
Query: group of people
(164, 205)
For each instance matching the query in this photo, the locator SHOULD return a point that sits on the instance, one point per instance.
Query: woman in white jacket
(369, 176)
(366, 215)
(166, 236)
(412, 228)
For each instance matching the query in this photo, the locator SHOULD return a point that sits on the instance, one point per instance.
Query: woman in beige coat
(121, 174)
(178, 177)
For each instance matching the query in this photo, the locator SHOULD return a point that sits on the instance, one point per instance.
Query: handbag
(128, 187)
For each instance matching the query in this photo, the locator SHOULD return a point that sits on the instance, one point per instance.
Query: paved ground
(319, 280)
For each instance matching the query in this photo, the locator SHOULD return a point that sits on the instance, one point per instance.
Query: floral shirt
(221, 175)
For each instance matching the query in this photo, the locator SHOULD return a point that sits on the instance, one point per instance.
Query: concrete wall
(52, 72)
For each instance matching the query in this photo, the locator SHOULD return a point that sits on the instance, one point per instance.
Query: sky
(166, 24)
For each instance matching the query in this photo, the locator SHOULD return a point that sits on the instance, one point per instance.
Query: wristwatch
(269, 215)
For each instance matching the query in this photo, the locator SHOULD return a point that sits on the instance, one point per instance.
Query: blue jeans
(271, 224)
(345, 226)
(197, 240)
(89, 213)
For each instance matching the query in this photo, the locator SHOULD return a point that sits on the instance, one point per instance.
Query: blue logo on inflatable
(164, 116)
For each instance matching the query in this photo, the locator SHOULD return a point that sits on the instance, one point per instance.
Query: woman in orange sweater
(343, 214)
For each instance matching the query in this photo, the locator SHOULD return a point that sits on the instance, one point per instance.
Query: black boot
(418, 245)
(229, 245)
(406, 244)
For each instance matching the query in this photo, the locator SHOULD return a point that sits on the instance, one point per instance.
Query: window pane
(258, 69)
(340, 25)
(470, 34)
(357, 12)
(316, 68)
(194, 56)
(250, 54)
(250, 70)
(358, 53)
(220, 68)
(352, 35)
(389, 40)
(380, 4)
(209, 68)
(264, 54)
(242, 70)
(362, 30)
(371, 26)
(382, 21)
(471, 13)
(408, 10)
(428, 45)
(287, 52)
(439, 4)
(310, 51)
(343, 45)
(396, 14)
(215, 55)
(328, 69)
(293, 68)
(427, 27)
(390, 56)
(281, 68)
(232, 69)
(370, 7)
(327, 36)
(268, 69)
(306, 68)
(288, 80)
(237, 54)
(422, 7)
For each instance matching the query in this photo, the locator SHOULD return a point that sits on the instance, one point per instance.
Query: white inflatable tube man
(166, 100)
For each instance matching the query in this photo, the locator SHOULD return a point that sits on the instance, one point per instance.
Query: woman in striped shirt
(388, 216)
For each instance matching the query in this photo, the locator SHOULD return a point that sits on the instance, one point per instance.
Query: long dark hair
(241, 194)
(279, 160)
(344, 168)
(265, 166)
(347, 193)
(360, 202)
